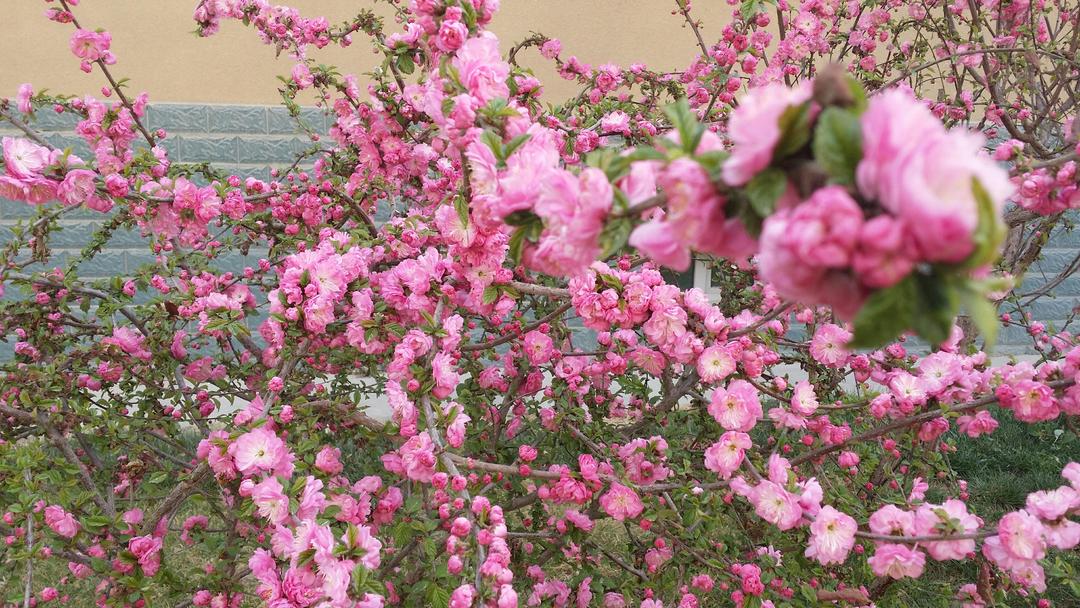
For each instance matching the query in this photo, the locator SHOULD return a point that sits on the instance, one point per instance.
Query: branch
(178, 495)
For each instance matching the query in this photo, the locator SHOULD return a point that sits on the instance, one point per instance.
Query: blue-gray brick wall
(250, 140)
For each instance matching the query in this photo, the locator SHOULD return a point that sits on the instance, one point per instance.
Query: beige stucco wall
(156, 49)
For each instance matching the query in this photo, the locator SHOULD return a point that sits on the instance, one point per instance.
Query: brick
(238, 119)
(209, 150)
(47, 120)
(179, 118)
(267, 150)
(279, 121)
(78, 145)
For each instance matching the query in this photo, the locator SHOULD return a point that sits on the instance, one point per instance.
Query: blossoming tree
(567, 426)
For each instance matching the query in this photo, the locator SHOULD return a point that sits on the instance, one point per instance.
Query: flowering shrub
(700, 452)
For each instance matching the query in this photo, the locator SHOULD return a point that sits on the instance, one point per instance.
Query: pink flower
(452, 34)
(78, 186)
(573, 209)
(806, 251)
(803, 399)
(620, 502)
(23, 159)
(660, 242)
(61, 522)
(897, 561)
(481, 68)
(23, 98)
(258, 450)
(463, 596)
(415, 459)
(695, 219)
(828, 346)
(270, 500)
(736, 407)
(445, 374)
(1021, 535)
(885, 253)
(893, 521)
(364, 542)
(328, 460)
(551, 48)
(776, 505)
(715, 363)
(754, 129)
(1030, 401)
(538, 347)
(130, 341)
(725, 456)
(832, 535)
(981, 423)
(90, 45)
(923, 174)
(933, 520)
(147, 550)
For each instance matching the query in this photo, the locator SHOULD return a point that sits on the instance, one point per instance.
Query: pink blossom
(620, 502)
(715, 363)
(61, 522)
(258, 450)
(725, 456)
(893, 521)
(981, 423)
(803, 399)
(24, 98)
(573, 209)
(885, 252)
(806, 251)
(931, 520)
(415, 459)
(754, 129)
(147, 550)
(452, 34)
(130, 341)
(270, 500)
(481, 68)
(328, 460)
(23, 159)
(776, 505)
(538, 347)
(91, 45)
(1021, 535)
(832, 535)
(897, 561)
(923, 174)
(77, 188)
(828, 346)
(736, 407)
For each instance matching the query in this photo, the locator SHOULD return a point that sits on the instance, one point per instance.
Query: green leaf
(610, 280)
(490, 295)
(614, 237)
(515, 143)
(989, 232)
(884, 315)
(937, 304)
(983, 314)
(838, 144)
(765, 189)
(794, 130)
(462, 207)
(405, 64)
(686, 125)
(517, 245)
(521, 218)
